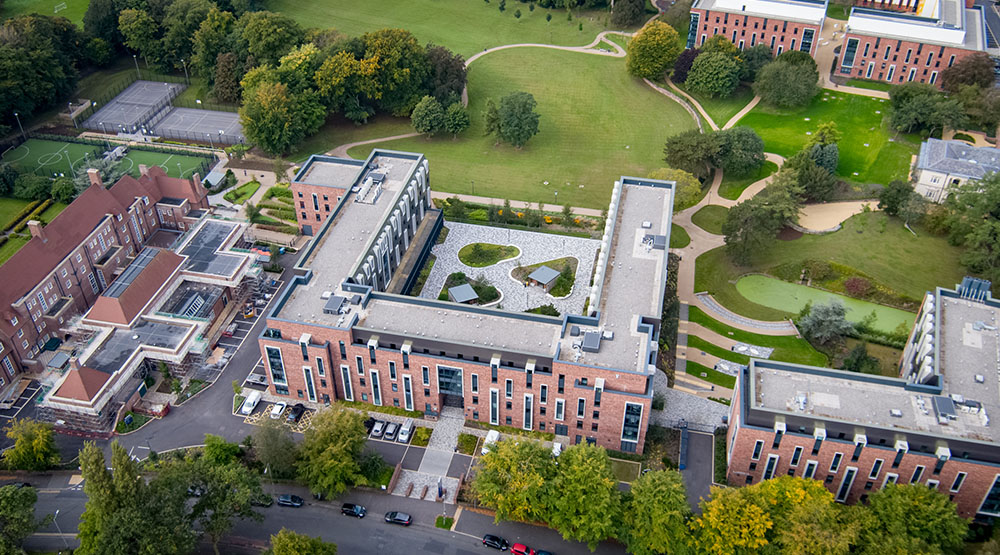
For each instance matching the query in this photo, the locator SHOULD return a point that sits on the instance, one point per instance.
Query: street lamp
(180, 172)
(556, 193)
(16, 116)
(186, 80)
(56, 522)
(136, 60)
(209, 135)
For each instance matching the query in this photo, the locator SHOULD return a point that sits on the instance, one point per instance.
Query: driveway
(699, 473)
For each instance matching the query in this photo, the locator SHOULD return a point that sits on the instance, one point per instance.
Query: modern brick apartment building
(66, 265)
(858, 432)
(317, 192)
(781, 24)
(336, 334)
(896, 48)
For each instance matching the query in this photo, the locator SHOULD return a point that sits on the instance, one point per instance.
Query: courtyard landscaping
(679, 237)
(591, 116)
(242, 193)
(478, 255)
(869, 151)
(486, 292)
(787, 348)
(732, 187)
(722, 109)
(566, 267)
(710, 218)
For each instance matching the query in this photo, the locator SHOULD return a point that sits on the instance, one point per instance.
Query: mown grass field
(732, 187)
(57, 157)
(73, 10)
(710, 218)
(721, 110)
(596, 124)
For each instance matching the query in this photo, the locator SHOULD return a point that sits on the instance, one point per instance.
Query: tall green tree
(141, 33)
(826, 134)
(687, 188)
(456, 119)
(63, 190)
(331, 449)
(517, 118)
(182, 21)
(918, 513)
(213, 38)
(491, 119)
(585, 504)
(227, 492)
(287, 542)
(692, 151)
(275, 119)
(826, 323)
(715, 74)
(274, 448)
(920, 107)
(815, 181)
(34, 445)
(722, 45)
(786, 84)
(17, 518)
(627, 13)
(269, 36)
(893, 196)
(226, 83)
(428, 116)
(741, 151)
(513, 479)
(218, 451)
(446, 78)
(653, 50)
(101, 20)
(348, 85)
(403, 68)
(754, 58)
(752, 225)
(974, 69)
(655, 520)
(728, 525)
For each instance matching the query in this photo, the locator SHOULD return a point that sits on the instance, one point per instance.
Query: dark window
(858, 448)
(562, 383)
(507, 420)
(777, 439)
(343, 350)
(816, 446)
(898, 459)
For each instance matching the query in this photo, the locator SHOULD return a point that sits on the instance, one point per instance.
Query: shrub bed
(467, 443)
(479, 255)
(383, 409)
(21, 215)
(32, 216)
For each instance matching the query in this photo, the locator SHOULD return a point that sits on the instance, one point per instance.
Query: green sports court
(55, 158)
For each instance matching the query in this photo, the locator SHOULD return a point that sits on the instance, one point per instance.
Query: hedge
(24, 212)
(34, 214)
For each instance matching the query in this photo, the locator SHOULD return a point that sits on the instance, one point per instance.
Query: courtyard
(535, 248)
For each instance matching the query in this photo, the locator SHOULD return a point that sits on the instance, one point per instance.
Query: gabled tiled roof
(82, 384)
(137, 293)
(958, 158)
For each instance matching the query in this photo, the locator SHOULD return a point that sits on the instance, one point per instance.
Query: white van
(250, 403)
(405, 431)
(492, 437)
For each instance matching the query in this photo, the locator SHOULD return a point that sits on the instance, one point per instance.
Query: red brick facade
(313, 203)
(896, 61)
(747, 30)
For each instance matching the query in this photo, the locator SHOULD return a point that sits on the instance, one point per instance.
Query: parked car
(296, 413)
(353, 509)
(390, 430)
(378, 429)
(262, 500)
(230, 330)
(521, 549)
(369, 424)
(290, 501)
(257, 379)
(277, 409)
(195, 491)
(496, 542)
(250, 403)
(405, 431)
(396, 517)
(492, 437)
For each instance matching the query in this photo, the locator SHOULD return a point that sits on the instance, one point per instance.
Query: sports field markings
(27, 151)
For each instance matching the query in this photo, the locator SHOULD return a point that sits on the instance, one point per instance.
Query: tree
(585, 504)
(402, 71)
(32, 187)
(754, 58)
(141, 33)
(751, 226)
(920, 107)
(797, 57)
(513, 477)
(981, 105)
(741, 151)
(982, 253)
(428, 116)
(974, 69)
(687, 188)
(858, 360)
(182, 21)
(626, 13)
(785, 84)
(98, 52)
(227, 493)
(826, 323)
(269, 36)
(330, 451)
(213, 38)
(348, 85)
(226, 86)
(692, 151)
(17, 517)
(491, 119)
(892, 197)
(8, 177)
(446, 79)
(826, 134)
(101, 20)
(722, 45)
(518, 120)
(815, 181)
(917, 512)
(288, 542)
(34, 445)
(275, 119)
(655, 520)
(825, 156)
(275, 449)
(456, 119)
(683, 65)
(714, 73)
(63, 190)
(653, 50)
(218, 451)
(729, 525)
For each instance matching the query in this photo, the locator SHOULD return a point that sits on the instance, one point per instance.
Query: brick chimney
(95, 177)
(143, 169)
(36, 229)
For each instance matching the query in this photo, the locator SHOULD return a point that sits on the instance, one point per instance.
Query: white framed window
(772, 465)
(475, 383)
(529, 402)
(835, 463)
(796, 455)
(543, 394)
(494, 406)
(957, 484)
(508, 389)
(13, 321)
(345, 377)
(890, 478)
(933, 484)
(560, 410)
(845, 484)
(392, 370)
(876, 468)
(758, 446)
(581, 407)
(918, 472)
(376, 388)
(810, 470)
(407, 392)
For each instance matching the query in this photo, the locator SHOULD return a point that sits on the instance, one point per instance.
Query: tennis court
(200, 125)
(56, 158)
(133, 107)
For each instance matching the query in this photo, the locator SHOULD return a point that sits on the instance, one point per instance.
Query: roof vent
(980, 378)
(896, 413)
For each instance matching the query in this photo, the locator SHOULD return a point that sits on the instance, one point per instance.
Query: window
(315, 202)
(835, 463)
(933, 484)
(277, 366)
(13, 321)
(693, 29)
(310, 386)
(529, 400)
(361, 365)
(939, 465)
(933, 77)
(849, 52)
(508, 389)
(899, 458)
(871, 68)
(406, 360)
(876, 468)
(631, 422)
(562, 383)
(796, 455)
(917, 473)
(772, 463)
(581, 407)
(493, 372)
(810, 470)
(892, 70)
(392, 370)
(807, 40)
(343, 350)
(912, 75)
(93, 283)
(846, 483)
(543, 394)
(890, 478)
(991, 503)
(957, 484)
(371, 353)
(757, 448)
(951, 60)
(494, 406)
(376, 390)
(426, 375)
(475, 383)
(345, 375)
(407, 393)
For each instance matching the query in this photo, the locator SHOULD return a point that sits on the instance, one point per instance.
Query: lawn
(679, 237)
(57, 157)
(52, 211)
(869, 151)
(721, 110)
(341, 131)
(888, 357)
(732, 187)
(866, 84)
(73, 10)
(9, 209)
(710, 218)
(871, 243)
(787, 348)
(464, 26)
(480, 255)
(13, 244)
(242, 193)
(792, 297)
(710, 375)
(699, 344)
(596, 124)
(838, 11)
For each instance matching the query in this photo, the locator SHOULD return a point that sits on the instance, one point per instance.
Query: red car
(521, 549)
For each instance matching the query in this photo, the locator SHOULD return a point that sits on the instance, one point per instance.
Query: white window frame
(529, 401)
(376, 387)
(474, 387)
(810, 470)
(758, 448)
(796, 457)
(876, 469)
(960, 483)
(508, 389)
(543, 394)
(407, 386)
(345, 378)
(494, 402)
(560, 414)
(769, 468)
(850, 473)
(835, 462)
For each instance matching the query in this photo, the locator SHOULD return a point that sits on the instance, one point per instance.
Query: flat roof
(345, 237)
(119, 346)
(192, 299)
(463, 293)
(331, 172)
(952, 25)
(203, 250)
(804, 11)
(171, 201)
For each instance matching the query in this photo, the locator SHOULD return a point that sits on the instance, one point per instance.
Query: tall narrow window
(560, 409)
(957, 484)
(758, 446)
(320, 369)
(581, 407)
(835, 463)
(392, 370)
(276, 364)
(917, 473)
(407, 393)
(345, 374)
(361, 365)
(426, 375)
(528, 408)
(543, 394)
(876, 469)
(494, 406)
(310, 386)
(475, 383)
(796, 455)
(772, 463)
(810, 470)
(508, 389)
(846, 483)
(376, 389)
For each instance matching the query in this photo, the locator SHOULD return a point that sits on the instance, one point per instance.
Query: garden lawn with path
(479, 255)
(679, 237)
(242, 193)
(463, 26)
(596, 124)
(722, 109)
(732, 187)
(338, 130)
(699, 344)
(73, 10)
(787, 348)
(710, 375)
(861, 120)
(710, 218)
(792, 297)
(871, 243)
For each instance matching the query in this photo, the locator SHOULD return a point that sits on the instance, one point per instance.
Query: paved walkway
(830, 37)
(516, 204)
(341, 151)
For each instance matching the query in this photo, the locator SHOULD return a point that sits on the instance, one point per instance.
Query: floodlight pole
(210, 140)
(186, 79)
(17, 117)
(56, 522)
(136, 60)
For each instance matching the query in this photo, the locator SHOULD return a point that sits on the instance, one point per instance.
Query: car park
(521, 549)
(378, 429)
(296, 413)
(290, 501)
(396, 517)
(496, 542)
(543, 552)
(353, 509)
(390, 431)
(405, 431)
(369, 424)
(277, 409)
(250, 403)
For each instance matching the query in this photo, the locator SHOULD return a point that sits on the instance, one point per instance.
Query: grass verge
(710, 375)
(444, 522)
(721, 110)
(421, 436)
(383, 409)
(695, 342)
(732, 187)
(710, 218)
(787, 348)
(467, 443)
(480, 255)
(625, 471)
(242, 193)
(679, 237)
